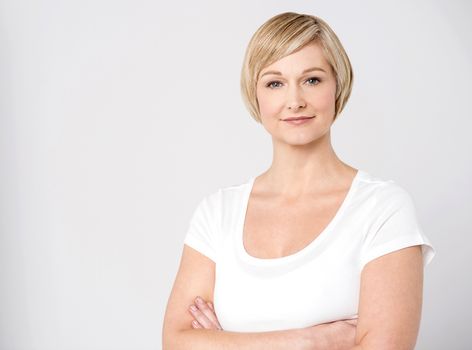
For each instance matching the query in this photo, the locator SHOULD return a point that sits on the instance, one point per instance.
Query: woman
(312, 253)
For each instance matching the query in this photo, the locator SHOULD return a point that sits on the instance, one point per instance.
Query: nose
(295, 98)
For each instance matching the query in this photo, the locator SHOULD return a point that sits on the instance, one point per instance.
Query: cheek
(268, 103)
(325, 99)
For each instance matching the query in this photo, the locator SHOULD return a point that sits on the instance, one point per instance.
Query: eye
(271, 84)
(314, 79)
(311, 81)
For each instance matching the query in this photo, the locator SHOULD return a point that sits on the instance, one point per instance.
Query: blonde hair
(284, 34)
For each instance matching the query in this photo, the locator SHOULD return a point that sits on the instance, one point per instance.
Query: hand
(337, 335)
(204, 315)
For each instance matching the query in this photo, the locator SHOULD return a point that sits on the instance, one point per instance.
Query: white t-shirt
(317, 284)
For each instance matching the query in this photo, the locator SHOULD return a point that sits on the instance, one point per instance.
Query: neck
(302, 169)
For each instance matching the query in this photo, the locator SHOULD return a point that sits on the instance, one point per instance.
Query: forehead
(310, 55)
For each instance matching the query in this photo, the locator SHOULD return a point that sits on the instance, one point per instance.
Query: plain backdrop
(118, 116)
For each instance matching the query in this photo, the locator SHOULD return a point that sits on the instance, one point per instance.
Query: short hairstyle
(284, 34)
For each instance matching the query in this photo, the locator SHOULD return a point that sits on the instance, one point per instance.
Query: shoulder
(236, 188)
(225, 195)
(384, 192)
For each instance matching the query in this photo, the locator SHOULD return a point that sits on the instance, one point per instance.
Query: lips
(297, 118)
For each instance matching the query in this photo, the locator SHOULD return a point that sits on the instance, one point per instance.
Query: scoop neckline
(305, 250)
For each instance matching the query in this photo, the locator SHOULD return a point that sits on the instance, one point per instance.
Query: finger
(200, 317)
(210, 305)
(196, 325)
(207, 311)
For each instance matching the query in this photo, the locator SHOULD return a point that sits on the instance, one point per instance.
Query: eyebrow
(305, 71)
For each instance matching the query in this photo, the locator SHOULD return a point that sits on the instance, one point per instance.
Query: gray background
(118, 116)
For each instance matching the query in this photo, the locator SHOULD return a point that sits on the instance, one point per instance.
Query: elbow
(178, 340)
(171, 341)
(166, 341)
(176, 337)
(171, 338)
(387, 342)
(167, 337)
(382, 345)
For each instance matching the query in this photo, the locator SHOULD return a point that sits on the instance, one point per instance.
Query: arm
(390, 301)
(337, 335)
(196, 276)
(207, 339)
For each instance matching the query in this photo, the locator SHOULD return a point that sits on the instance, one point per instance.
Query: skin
(304, 161)
(341, 333)
(304, 167)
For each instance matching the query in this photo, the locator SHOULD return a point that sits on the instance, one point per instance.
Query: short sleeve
(201, 233)
(397, 227)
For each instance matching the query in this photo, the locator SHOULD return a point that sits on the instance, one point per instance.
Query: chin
(303, 138)
(299, 141)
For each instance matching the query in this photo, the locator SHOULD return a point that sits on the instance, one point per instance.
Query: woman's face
(300, 84)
